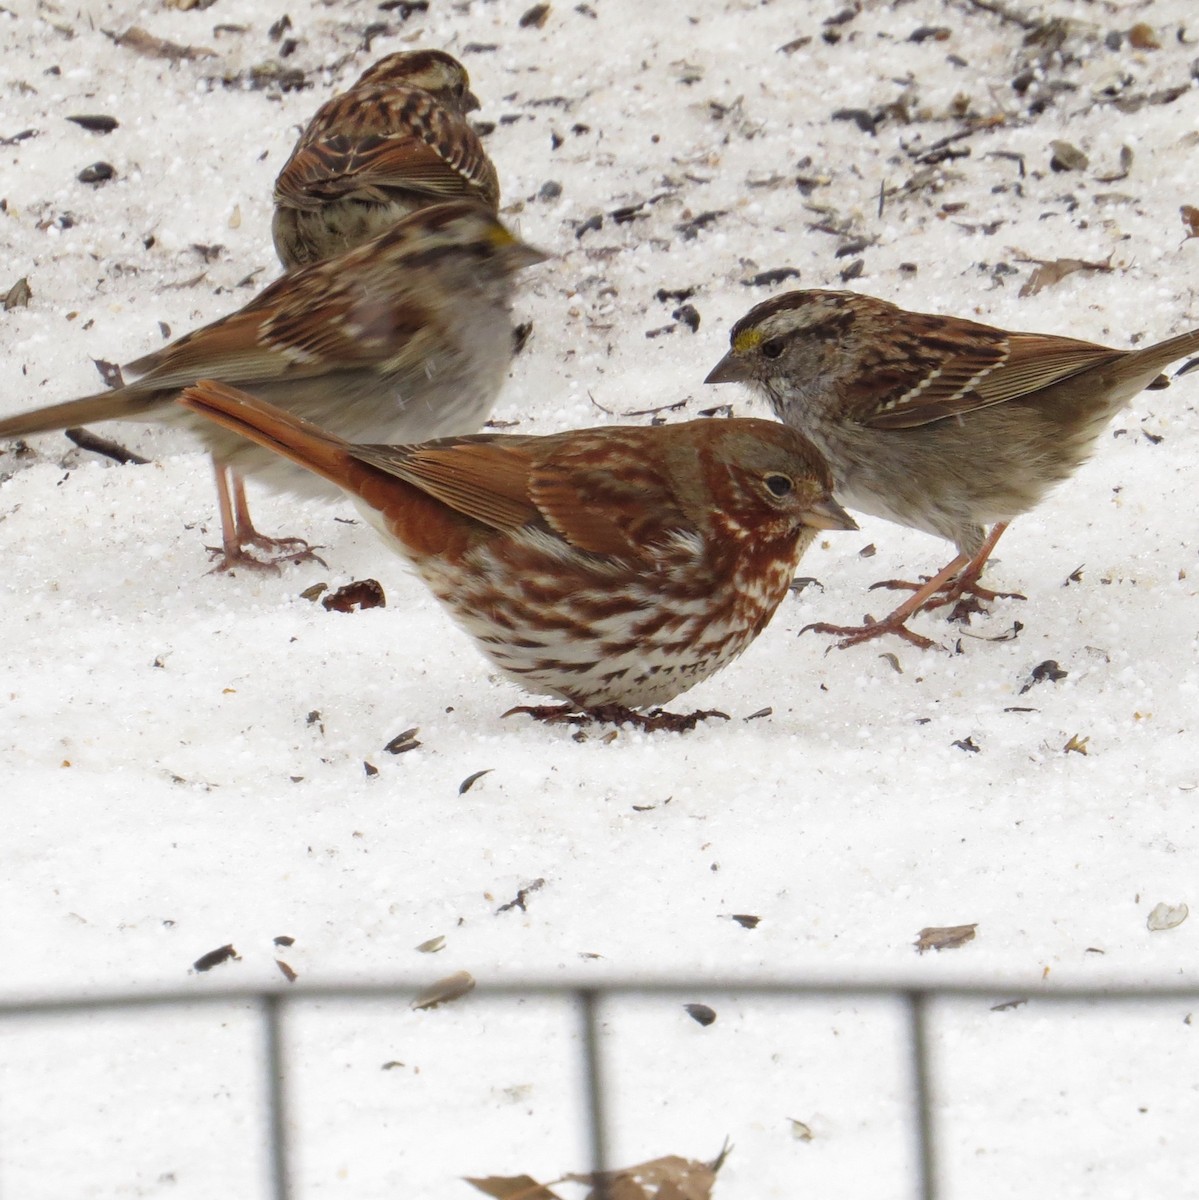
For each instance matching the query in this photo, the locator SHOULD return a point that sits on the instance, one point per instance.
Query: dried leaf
(452, 987)
(355, 596)
(215, 957)
(110, 372)
(141, 42)
(800, 1131)
(1042, 672)
(512, 1187)
(944, 937)
(1166, 916)
(668, 1178)
(1065, 156)
(1049, 273)
(18, 296)
(1190, 220)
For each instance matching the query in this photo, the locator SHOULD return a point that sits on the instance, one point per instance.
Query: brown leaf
(1076, 745)
(668, 1178)
(512, 1187)
(1190, 220)
(1054, 271)
(944, 937)
(452, 987)
(19, 295)
(214, 958)
(141, 42)
(361, 594)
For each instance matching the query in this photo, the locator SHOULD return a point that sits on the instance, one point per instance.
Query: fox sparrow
(613, 568)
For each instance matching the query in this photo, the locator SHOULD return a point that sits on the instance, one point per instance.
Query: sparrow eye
(779, 485)
(772, 347)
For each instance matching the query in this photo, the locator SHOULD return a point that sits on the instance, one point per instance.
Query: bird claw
(230, 558)
(953, 592)
(853, 635)
(651, 721)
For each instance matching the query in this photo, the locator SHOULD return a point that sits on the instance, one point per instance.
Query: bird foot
(951, 593)
(651, 721)
(294, 550)
(853, 635)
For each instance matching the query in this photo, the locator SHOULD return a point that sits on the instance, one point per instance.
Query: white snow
(182, 754)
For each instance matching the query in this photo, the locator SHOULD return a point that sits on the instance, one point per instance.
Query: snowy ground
(183, 754)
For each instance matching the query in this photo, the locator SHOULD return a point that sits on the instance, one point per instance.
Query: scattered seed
(944, 937)
(452, 987)
(215, 957)
(403, 742)
(98, 172)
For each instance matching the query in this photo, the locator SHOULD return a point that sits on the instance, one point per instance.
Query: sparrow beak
(827, 514)
(470, 103)
(733, 368)
(523, 255)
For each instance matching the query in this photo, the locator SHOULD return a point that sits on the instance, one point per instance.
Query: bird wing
(597, 489)
(296, 329)
(484, 477)
(341, 168)
(946, 378)
(374, 139)
(607, 493)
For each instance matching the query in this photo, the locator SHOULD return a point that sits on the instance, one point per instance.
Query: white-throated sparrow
(406, 338)
(396, 141)
(939, 423)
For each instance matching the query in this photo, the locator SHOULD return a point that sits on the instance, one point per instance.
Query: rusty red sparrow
(935, 422)
(396, 141)
(613, 568)
(406, 338)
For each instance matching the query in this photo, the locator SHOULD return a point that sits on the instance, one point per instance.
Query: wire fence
(917, 1002)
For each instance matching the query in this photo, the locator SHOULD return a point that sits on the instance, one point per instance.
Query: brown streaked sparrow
(396, 141)
(934, 422)
(407, 337)
(613, 568)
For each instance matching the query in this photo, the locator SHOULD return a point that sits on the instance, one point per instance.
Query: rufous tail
(301, 441)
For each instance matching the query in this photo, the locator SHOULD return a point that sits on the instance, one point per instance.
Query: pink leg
(958, 579)
(238, 532)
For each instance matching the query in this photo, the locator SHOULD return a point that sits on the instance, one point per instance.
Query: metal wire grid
(916, 1002)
